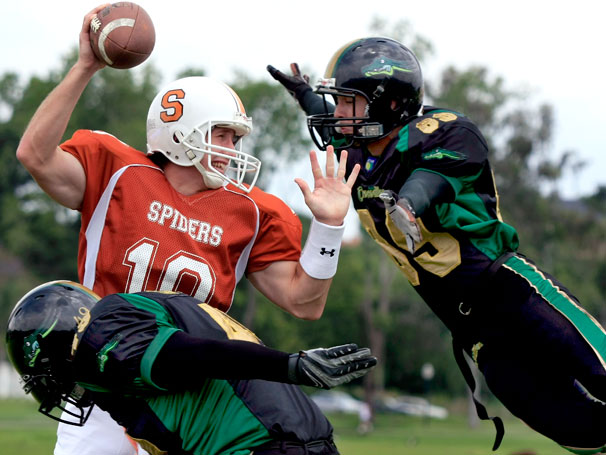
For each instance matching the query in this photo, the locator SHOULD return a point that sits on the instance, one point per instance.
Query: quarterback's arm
(301, 288)
(57, 172)
(286, 284)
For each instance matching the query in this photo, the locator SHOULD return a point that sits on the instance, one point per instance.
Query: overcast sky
(554, 49)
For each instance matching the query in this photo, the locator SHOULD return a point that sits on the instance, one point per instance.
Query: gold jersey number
(438, 253)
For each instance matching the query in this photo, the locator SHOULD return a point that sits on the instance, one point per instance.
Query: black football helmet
(40, 340)
(383, 71)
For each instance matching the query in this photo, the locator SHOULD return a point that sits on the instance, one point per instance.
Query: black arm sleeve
(424, 188)
(185, 358)
(312, 103)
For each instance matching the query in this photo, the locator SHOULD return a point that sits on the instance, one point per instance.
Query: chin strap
(212, 181)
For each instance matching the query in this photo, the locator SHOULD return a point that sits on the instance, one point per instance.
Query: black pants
(542, 356)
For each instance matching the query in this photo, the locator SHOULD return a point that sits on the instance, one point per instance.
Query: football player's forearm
(423, 189)
(309, 296)
(185, 360)
(312, 103)
(287, 285)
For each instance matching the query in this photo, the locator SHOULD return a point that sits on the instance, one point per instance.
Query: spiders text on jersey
(200, 231)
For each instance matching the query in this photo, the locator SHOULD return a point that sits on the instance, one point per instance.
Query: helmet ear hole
(178, 136)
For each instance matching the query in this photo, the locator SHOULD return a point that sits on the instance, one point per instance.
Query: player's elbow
(24, 152)
(308, 311)
(306, 316)
(311, 316)
(27, 156)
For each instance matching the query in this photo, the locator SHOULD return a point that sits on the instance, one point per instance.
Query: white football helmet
(179, 125)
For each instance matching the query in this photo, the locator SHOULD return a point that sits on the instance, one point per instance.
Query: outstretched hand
(329, 201)
(327, 368)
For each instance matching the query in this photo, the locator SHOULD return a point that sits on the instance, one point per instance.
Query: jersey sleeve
(279, 237)
(117, 348)
(101, 155)
(451, 146)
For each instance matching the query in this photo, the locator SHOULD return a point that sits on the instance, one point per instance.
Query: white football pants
(100, 435)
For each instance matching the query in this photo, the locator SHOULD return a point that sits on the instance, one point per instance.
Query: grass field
(23, 431)
(404, 435)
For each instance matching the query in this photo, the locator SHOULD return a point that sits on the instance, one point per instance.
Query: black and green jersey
(461, 238)
(540, 352)
(115, 353)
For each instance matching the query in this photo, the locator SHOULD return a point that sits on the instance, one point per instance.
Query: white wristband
(320, 254)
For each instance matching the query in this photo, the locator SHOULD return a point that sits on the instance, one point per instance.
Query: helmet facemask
(365, 129)
(49, 379)
(54, 395)
(201, 150)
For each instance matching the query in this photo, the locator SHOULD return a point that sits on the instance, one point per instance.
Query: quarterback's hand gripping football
(402, 214)
(297, 84)
(327, 368)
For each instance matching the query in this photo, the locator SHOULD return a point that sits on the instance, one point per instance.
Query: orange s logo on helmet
(172, 105)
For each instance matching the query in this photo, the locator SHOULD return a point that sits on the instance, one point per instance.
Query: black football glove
(297, 84)
(327, 368)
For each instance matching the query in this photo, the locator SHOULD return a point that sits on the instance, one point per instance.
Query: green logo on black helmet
(440, 154)
(382, 65)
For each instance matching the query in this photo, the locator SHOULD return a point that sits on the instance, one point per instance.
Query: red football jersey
(138, 233)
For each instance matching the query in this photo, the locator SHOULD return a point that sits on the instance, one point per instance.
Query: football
(122, 35)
